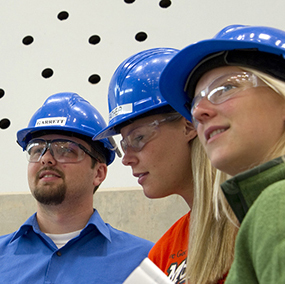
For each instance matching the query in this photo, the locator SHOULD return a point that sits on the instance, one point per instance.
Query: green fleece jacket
(257, 197)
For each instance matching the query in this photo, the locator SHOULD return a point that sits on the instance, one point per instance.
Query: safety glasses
(138, 137)
(62, 150)
(225, 87)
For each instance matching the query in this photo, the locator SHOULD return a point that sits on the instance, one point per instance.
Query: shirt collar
(94, 221)
(97, 221)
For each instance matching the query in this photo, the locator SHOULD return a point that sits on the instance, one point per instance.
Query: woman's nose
(130, 157)
(203, 111)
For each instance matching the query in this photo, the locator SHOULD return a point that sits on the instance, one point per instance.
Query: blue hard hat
(258, 47)
(67, 112)
(134, 90)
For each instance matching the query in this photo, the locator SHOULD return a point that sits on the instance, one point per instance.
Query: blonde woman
(235, 84)
(162, 149)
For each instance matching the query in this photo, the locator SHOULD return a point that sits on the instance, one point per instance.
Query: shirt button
(58, 253)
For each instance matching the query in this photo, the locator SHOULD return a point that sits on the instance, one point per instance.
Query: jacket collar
(243, 189)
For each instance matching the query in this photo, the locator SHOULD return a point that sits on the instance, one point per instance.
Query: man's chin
(49, 196)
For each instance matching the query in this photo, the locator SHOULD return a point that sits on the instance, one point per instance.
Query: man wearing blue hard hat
(233, 87)
(66, 241)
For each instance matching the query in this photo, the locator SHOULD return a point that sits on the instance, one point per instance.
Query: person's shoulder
(182, 222)
(269, 206)
(6, 239)
(127, 237)
(274, 192)
(176, 231)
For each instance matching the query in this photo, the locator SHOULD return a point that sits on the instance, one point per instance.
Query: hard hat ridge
(134, 90)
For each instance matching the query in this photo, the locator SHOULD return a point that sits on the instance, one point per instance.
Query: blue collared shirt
(99, 254)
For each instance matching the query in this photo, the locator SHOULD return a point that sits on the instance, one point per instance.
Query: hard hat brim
(175, 74)
(110, 130)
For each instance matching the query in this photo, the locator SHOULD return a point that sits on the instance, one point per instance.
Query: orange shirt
(170, 251)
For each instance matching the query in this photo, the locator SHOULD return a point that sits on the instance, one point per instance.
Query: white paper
(147, 273)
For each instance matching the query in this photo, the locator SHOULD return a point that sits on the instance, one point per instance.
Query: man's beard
(46, 196)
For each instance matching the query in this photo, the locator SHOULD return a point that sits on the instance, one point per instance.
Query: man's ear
(189, 129)
(100, 173)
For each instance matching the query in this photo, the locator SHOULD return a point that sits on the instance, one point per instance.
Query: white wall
(62, 45)
(127, 210)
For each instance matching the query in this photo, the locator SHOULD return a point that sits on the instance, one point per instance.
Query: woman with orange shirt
(161, 147)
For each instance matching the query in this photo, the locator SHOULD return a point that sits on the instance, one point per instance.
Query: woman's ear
(189, 129)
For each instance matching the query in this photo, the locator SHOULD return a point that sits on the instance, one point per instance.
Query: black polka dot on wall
(63, 15)
(95, 39)
(47, 73)
(94, 79)
(4, 123)
(141, 36)
(2, 93)
(92, 40)
(164, 3)
(27, 40)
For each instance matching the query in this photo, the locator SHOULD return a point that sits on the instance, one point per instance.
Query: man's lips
(213, 131)
(48, 174)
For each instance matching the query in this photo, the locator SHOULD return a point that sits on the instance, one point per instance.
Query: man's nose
(47, 158)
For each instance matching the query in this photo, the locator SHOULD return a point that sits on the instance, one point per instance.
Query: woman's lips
(213, 131)
(141, 177)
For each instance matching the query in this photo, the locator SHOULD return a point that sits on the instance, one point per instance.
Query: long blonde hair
(213, 226)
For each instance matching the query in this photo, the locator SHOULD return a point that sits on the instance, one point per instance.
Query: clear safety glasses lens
(63, 151)
(138, 137)
(225, 87)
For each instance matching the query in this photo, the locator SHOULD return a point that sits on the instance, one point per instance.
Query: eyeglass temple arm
(115, 147)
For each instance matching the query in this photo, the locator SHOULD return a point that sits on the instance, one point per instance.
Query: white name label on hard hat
(50, 121)
(119, 110)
